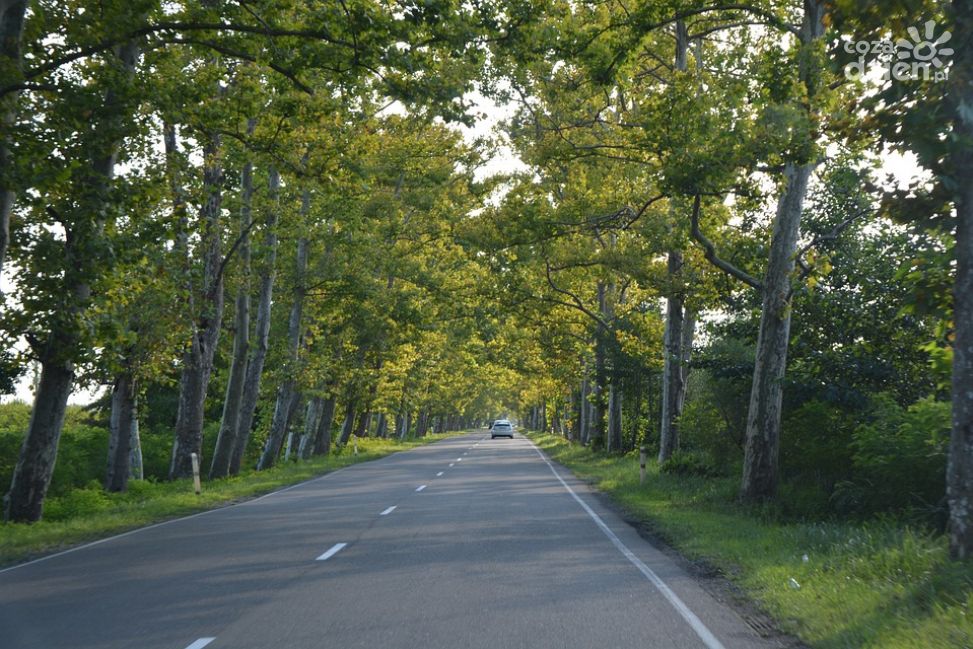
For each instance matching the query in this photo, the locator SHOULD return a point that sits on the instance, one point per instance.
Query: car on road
(501, 428)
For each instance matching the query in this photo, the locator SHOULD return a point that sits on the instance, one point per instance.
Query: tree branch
(575, 300)
(709, 251)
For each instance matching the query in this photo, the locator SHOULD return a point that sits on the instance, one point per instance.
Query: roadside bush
(690, 463)
(82, 457)
(82, 451)
(816, 444)
(899, 461)
(77, 503)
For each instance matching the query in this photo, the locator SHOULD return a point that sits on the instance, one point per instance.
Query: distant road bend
(466, 543)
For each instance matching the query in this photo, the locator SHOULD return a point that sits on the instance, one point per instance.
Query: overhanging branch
(709, 251)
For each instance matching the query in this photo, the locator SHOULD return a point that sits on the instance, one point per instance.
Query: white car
(502, 428)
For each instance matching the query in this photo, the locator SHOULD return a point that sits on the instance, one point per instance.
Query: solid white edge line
(388, 511)
(199, 644)
(694, 622)
(333, 550)
(420, 487)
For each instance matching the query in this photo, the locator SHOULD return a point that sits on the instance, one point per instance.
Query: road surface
(466, 543)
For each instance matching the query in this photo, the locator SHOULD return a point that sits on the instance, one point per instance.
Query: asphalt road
(466, 543)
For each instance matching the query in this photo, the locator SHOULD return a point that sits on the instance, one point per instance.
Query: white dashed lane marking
(199, 644)
(333, 550)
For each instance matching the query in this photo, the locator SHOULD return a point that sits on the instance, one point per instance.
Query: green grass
(88, 514)
(872, 585)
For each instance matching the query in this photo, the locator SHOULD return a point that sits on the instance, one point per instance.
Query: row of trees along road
(264, 207)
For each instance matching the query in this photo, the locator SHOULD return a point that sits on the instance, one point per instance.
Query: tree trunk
(32, 475)
(229, 424)
(136, 471)
(364, 421)
(760, 468)
(123, 415)
(585, 409)
(11, 59)
(381, 429)
(686, 347)
(761, 459)
(614, 417)
(422, 424)
(574, 431)
(959, 473)
(258, 353)
(35, 465)
(315, 407)
(287, 391)
(322, 440)
(672, 374)
(403, 431)
(348, 425)
(198, 359)
(637, 414)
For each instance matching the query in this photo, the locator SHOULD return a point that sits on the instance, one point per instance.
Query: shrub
(689, 463)
(899, 461)
(77, 503)
(816, 444)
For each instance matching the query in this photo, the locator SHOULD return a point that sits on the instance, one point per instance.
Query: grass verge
(833, 584)
(89, 514)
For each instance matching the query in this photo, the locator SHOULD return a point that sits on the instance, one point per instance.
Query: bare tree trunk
(11, 60)
(600, 388)
(959, 473)
(229, 425)
(637, 415)
(136, 470)
(761, 459)
(123, 414)
(258, 353)
(585, 408)
(35, 464)
(348, 425)
(614, 417)
(364, 421)
(422, 424)
(382, 429)
(686, 348)
(322, 439)
(577, 408)
(672, 375)
(198, 359)
(312, 416)
(403, 431)
(287, 390)
(760, 468)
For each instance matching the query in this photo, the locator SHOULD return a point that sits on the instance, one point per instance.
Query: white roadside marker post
(354, 439)
(642, 453)
(196, 473)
